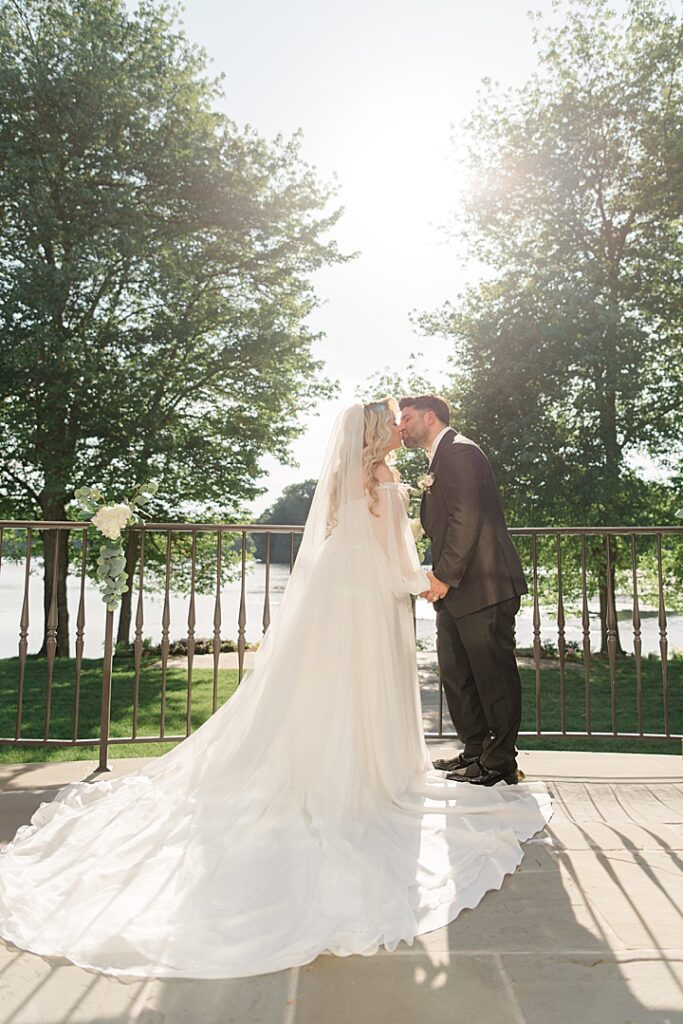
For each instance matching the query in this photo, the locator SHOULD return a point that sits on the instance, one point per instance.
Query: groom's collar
(440, 441)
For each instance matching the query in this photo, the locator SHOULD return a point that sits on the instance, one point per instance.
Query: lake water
(12, 589)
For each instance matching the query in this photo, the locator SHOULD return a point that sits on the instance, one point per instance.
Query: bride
(304, 815)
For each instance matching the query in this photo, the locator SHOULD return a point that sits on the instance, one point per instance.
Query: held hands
(437, 589)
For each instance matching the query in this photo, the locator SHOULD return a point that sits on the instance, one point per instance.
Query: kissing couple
(305, 815)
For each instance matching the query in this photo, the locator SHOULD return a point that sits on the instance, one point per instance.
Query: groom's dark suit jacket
(471, 548)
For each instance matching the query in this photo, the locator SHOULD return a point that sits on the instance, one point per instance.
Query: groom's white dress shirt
(435, 445)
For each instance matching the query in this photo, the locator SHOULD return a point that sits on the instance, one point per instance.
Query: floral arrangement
(425, 483)
(111, 518)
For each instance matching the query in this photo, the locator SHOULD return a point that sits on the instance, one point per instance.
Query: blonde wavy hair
(379, 418)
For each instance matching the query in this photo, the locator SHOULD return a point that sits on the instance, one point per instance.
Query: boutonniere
(425, 483)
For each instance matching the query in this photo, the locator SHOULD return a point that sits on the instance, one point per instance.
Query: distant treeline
(290, 508)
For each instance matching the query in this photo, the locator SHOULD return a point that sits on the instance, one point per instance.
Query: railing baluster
(217, 620)
(242, 617)
(80, 631)
(637, 639)
(561, 645)
(663, 641)
(537, 632)
(23, 635)
(266, 597)
(191, 623)
(138, 642)
(611, 623)
(590, 538)
(105, 698)
(586, 633)
(51, 633)
(165, 641)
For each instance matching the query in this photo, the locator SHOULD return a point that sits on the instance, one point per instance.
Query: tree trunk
(125, 614)
(613, 457)
(603, 603)
(55, 510)
(603, 620)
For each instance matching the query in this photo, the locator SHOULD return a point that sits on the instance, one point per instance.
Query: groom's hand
(438, 589)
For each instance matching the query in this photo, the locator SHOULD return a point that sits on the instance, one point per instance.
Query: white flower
(416, 527)
(111, 519)
(425, 482)
(679, 514)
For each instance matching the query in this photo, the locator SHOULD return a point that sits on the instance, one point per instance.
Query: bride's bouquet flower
(111, 518)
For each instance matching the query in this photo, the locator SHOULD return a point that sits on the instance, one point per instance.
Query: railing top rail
(519, 531)
(588, 531)
(51, 524)
(225, 527)
(42, 524)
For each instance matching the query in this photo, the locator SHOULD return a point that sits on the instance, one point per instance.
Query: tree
(569, 353)
(155, 267)
(291, 507)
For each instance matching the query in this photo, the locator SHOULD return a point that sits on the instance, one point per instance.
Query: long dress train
(304, 815)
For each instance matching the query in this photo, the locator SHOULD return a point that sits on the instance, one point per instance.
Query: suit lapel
(443, 444)
(445, 441)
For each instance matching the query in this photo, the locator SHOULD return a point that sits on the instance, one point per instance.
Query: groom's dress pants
(481, 680)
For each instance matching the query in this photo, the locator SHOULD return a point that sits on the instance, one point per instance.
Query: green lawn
(601, 706)
(61, 718)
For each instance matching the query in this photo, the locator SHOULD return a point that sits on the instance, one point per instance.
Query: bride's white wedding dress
(304, 815)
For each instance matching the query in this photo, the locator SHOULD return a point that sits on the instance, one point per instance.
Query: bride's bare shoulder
(384, 475)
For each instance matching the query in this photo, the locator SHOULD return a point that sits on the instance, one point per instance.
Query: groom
(476, 583)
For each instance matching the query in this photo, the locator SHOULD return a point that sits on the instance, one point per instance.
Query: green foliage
(155, 272)
(155, 266)
(291, 507)
(569, 354)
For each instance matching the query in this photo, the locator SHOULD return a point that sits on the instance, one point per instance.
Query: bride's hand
(438, 589)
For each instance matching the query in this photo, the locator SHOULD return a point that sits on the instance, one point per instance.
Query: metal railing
(604, 538)
(589, 566)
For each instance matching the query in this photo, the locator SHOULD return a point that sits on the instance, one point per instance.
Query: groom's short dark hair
(439, 406)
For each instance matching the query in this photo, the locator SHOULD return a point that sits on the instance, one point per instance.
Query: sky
(379, 89)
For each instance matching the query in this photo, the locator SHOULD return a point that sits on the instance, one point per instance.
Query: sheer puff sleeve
(396, 551)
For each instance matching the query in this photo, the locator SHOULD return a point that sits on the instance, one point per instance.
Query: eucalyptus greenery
(111, 519)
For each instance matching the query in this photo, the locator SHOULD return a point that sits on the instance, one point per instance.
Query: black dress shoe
(489, 776)
(450, 764)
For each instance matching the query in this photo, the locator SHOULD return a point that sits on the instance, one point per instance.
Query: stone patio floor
(589, 929)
